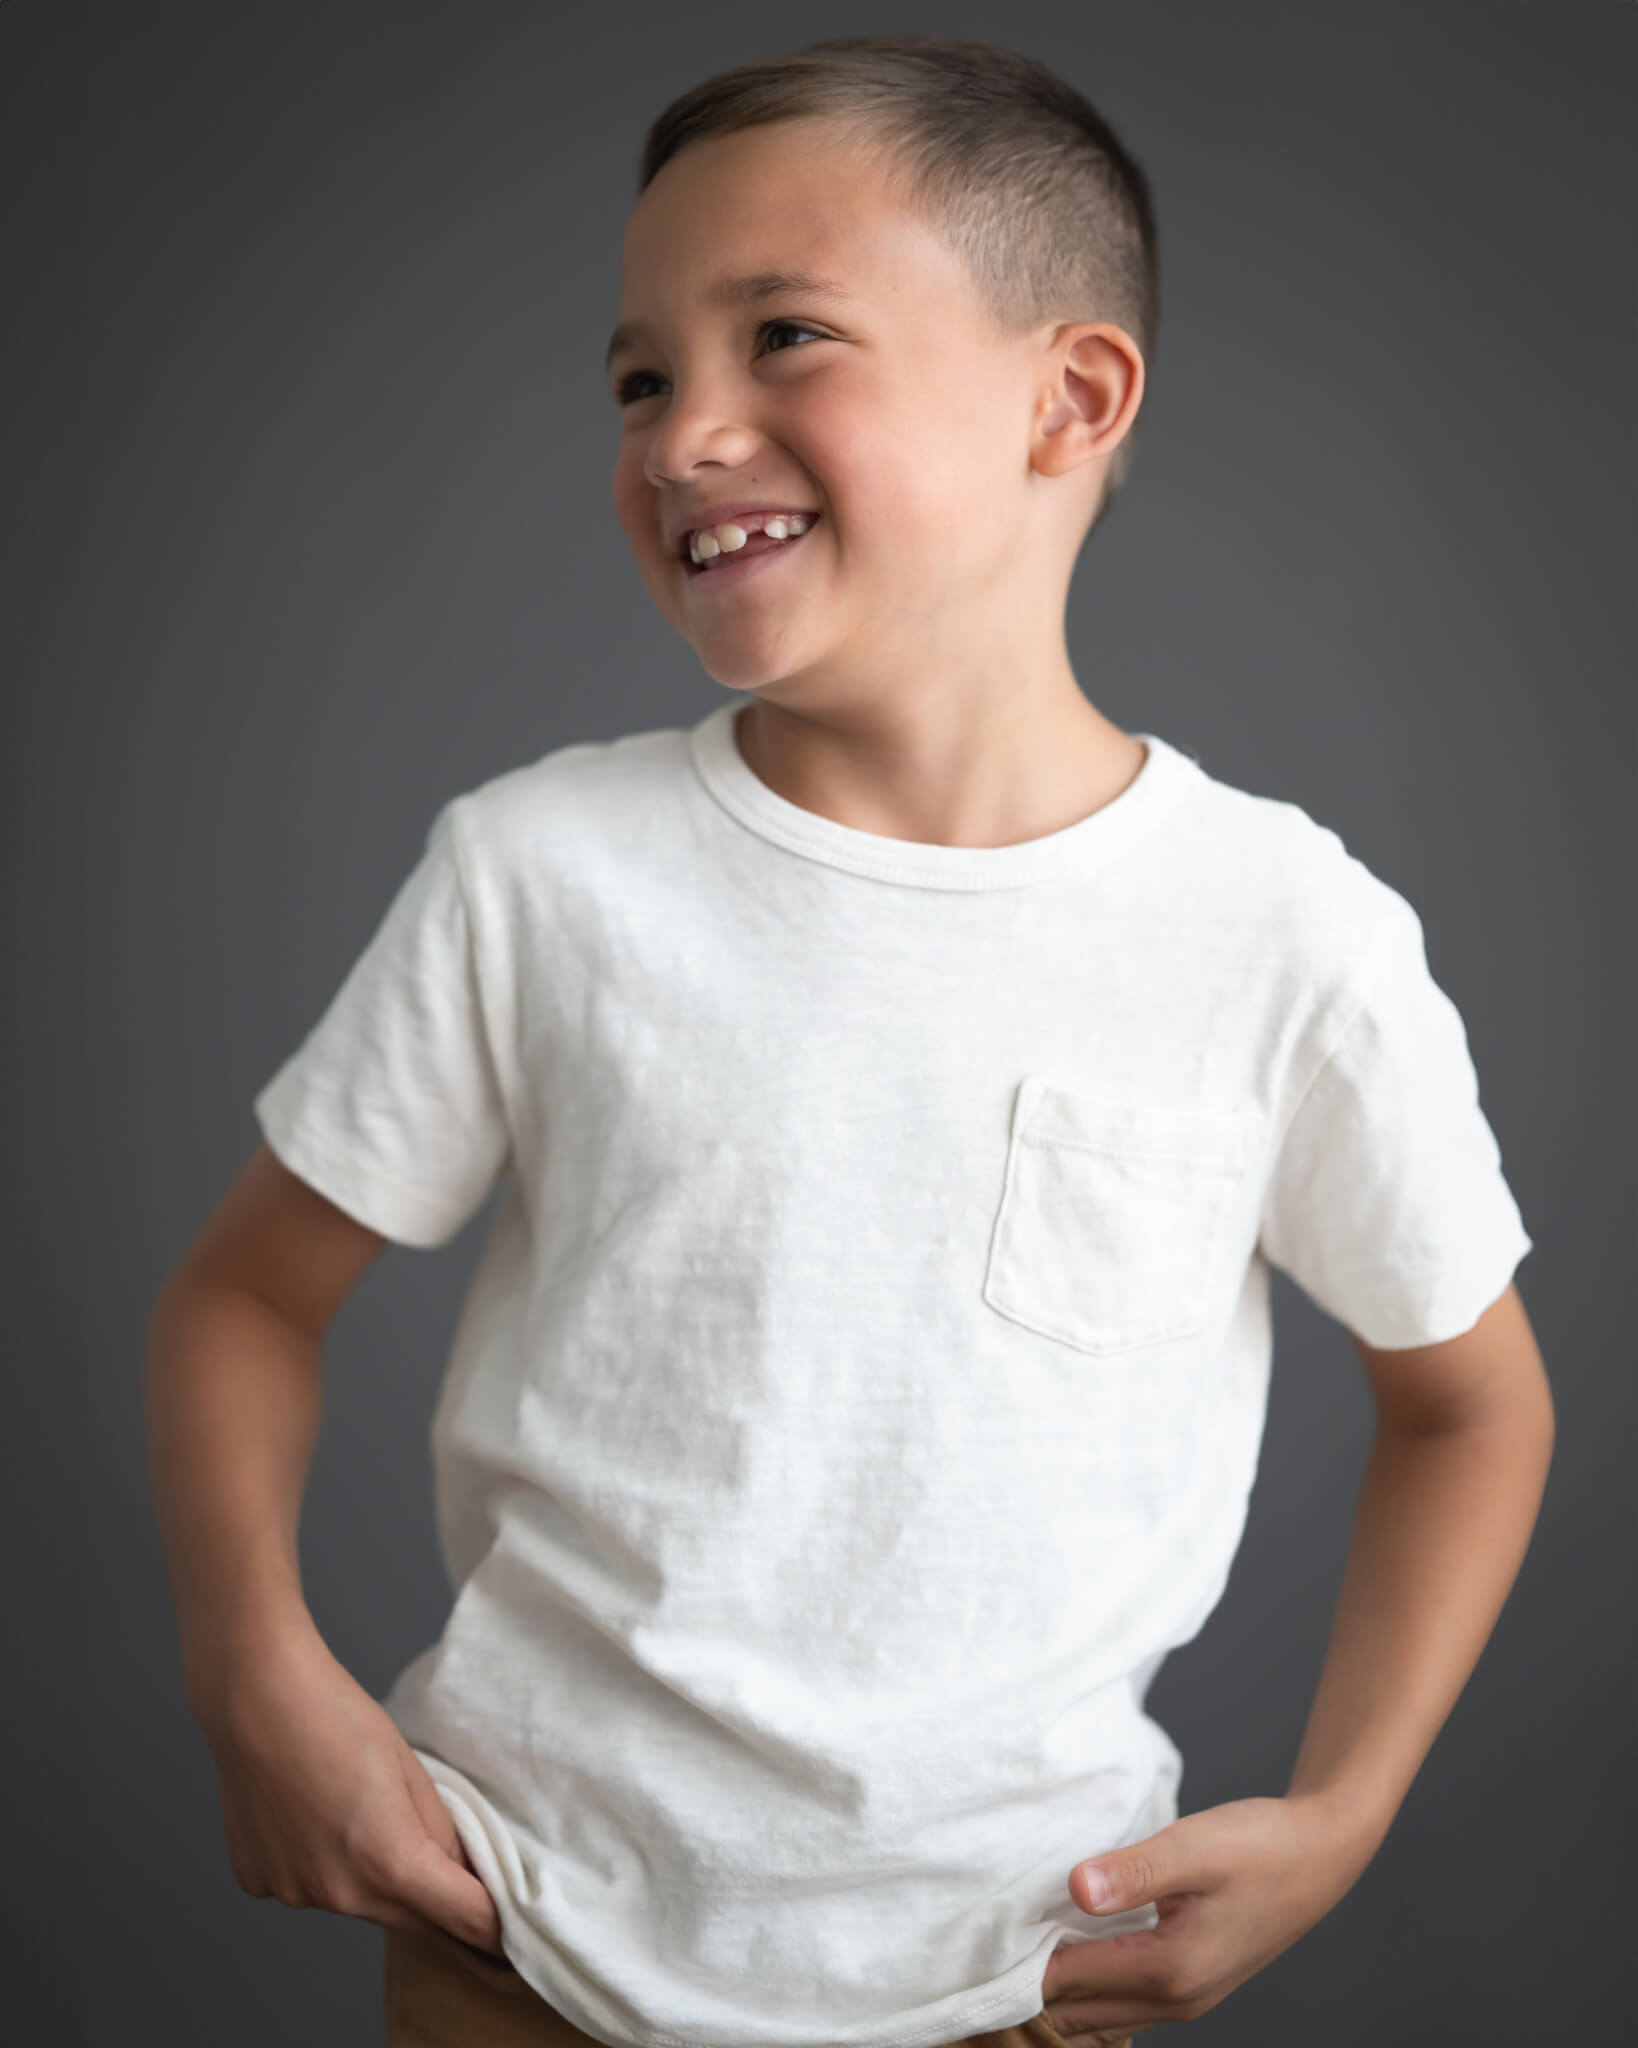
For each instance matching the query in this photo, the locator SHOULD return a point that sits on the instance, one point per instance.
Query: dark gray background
(340, 544)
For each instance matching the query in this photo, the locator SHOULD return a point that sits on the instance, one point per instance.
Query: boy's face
(894, 411)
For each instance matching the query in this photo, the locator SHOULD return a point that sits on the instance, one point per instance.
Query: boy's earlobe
(1069, 430)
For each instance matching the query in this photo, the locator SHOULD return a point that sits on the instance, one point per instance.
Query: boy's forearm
(232, 1401)
(1444, 1519)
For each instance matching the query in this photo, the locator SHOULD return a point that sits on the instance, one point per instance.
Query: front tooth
(732, 537)
(707, 547)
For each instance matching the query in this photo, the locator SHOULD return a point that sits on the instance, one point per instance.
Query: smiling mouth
(730, 565)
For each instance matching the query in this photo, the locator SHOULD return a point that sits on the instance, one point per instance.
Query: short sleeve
(391, 1105)
(1386, 1201)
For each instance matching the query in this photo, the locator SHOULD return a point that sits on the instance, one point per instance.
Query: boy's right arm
(324, 1801)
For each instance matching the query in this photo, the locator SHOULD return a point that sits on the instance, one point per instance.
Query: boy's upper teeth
(732, 534)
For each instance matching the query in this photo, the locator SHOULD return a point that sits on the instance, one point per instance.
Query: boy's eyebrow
(740, 291)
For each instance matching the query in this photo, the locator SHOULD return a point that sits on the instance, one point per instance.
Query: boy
(902, 1081)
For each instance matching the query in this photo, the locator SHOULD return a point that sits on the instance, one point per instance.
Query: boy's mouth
(734, 544)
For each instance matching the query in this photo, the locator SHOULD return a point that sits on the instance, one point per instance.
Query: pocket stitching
(1222, 1134)
(1223, 1160)
(1028, 1135)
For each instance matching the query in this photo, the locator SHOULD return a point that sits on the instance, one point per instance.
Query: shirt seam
(465, 893)
(752, 818)
(1369, 972)
(1436, 1272)
(299, 1129)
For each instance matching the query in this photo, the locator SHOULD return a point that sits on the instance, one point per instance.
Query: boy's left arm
(1446, 1509)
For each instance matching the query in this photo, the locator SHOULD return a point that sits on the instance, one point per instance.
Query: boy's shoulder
(582, 788)
(1246, 864)
(1269, 865)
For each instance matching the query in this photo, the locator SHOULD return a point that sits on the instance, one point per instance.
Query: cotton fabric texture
(863, 1379)
(443, 1993)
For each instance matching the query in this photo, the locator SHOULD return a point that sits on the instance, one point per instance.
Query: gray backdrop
(338, 543)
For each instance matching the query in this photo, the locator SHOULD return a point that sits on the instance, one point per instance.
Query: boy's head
(957, 412)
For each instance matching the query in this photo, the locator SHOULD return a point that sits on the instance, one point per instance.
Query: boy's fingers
(1121, 1971)
(451, 1897)
(433, 1813)
(479, 1921)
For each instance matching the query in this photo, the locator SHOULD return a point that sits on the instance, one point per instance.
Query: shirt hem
(390, 1207)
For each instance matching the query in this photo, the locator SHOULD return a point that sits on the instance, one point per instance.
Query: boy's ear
(1094, 387)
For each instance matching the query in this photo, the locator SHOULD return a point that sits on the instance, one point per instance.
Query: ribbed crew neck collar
(1079, 849)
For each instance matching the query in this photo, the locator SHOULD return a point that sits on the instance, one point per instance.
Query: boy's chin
(749, 681)
(754, 671)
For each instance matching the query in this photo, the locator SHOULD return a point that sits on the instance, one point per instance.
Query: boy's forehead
(800, 176)
(770, 198)
(770, 212)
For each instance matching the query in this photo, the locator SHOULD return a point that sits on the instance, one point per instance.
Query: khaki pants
(443, 1993)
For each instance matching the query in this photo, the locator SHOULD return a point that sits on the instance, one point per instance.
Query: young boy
(900, 1084)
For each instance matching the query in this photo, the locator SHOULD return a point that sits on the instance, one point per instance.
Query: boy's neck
(997, 777)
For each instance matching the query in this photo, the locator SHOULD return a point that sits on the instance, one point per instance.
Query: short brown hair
(1015, 169)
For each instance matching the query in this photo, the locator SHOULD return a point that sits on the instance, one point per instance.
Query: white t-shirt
(863, 1380)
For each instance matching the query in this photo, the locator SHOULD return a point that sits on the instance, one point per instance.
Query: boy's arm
(1447, 1505)
(1465, 1433)
(232, 1403)
(324, 1802)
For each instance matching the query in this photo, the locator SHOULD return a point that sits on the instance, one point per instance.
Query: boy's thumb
(451, 1896)
(430, 1810)
(446, 1889)
(1115, 1883)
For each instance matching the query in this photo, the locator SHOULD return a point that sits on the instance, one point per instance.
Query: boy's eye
(627, 394)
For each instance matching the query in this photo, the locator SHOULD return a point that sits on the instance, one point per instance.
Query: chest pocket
(1113, 1215)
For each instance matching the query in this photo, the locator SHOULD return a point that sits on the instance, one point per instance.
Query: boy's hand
(1234, 1886)
(327, 1805)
